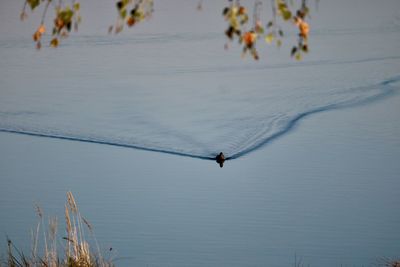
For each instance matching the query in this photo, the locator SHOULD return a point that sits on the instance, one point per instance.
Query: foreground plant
(131, 12)
(77, 251)
(66, 18)
(387, 262)
(236, 14)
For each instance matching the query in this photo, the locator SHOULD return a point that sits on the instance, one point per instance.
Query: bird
(220, 158)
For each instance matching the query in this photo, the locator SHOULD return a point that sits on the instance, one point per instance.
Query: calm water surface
(319, 186)
(327, 192)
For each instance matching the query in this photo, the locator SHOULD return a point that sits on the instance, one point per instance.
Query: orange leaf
(41, 29)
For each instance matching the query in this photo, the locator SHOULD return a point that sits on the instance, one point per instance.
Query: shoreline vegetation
(77, 251)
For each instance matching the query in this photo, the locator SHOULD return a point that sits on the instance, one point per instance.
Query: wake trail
(387, 91)
(259, 139)
(103, 142)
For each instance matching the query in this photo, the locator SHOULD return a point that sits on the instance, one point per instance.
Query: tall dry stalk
(388, 262)
(77, 250)
(52, 252)
(80, 248)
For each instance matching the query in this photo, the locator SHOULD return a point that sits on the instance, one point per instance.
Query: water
(326, 193)
(170, 87)
(179, 92)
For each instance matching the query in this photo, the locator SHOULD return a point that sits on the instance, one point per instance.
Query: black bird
(220, 158)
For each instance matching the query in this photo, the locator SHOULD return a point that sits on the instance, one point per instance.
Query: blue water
(258, 139)
(180, 93)
(326, 192)
(167, 86)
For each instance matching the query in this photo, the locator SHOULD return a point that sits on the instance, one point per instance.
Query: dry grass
(77, 252)
(387, 262)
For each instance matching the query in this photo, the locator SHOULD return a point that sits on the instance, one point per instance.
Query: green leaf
(123, 13)
(54, 42)
(33, 3)
(286, 14)
(66, 15)
(269, 38)
(77, 6)
(244, 19)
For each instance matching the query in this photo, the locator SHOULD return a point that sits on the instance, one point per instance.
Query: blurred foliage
(131, 12)
(66, 17)
(236, 15)
(240, 27)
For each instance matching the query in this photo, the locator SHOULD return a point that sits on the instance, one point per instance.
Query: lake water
(324, 189)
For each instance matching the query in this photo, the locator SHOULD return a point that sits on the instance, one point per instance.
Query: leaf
(36, 36)
(297, 56)
(225, 11)
(77, 6)
(123, 13)
(278, 42)
(281, 5)
(120, 5)
(54, 42)
(269, 38)
(244, 19)
(242, 10)
(33, 3)
(131, 21)
(66, 15)
(294, 50)
(286, 14)
(260, 30)
(69, 26)
(304, 29)
(41, 29)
